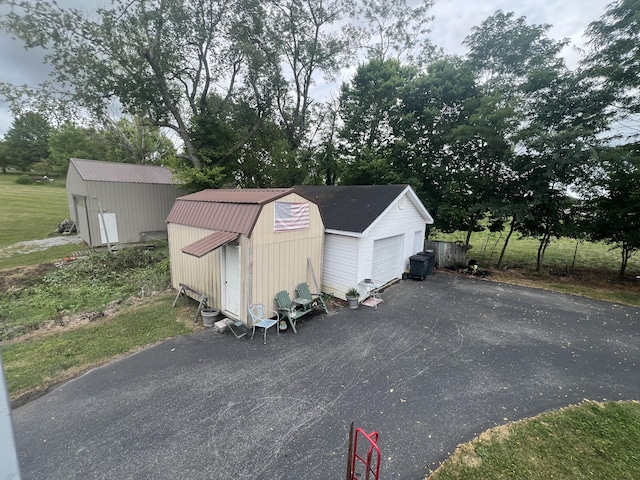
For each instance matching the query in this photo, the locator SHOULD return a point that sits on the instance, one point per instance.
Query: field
(30, 212)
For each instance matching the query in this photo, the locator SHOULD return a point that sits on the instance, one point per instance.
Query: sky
(453, 21)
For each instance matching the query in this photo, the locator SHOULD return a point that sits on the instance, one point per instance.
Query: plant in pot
(352, 297)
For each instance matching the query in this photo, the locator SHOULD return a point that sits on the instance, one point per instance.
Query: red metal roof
(209, 243)
(239, 195)
(94, 170)
(233, 210)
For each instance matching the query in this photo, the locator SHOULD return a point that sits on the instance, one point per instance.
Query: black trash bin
(431, 256)
(418, 267)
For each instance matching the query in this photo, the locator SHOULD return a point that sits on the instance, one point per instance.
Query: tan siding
(139, 208)
(201, 274)
(279, 260)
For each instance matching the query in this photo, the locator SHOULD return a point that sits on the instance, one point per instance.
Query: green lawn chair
(290, 310)
(313, 300)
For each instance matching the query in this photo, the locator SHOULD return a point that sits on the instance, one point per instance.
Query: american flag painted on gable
(290, 216)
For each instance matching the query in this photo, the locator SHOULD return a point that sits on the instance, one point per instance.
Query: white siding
(349, 260)
(340, 266)
(406, 221)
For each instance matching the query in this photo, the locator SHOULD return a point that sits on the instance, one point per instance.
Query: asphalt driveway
(438, 363)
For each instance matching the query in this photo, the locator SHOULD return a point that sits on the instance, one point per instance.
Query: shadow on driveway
(436, 364)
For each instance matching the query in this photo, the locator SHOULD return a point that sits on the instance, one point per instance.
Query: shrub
(23, 180)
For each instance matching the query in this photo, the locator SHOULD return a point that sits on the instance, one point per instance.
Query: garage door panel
(387, 253)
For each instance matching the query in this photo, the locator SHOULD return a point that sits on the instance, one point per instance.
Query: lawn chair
(260, 318)
(314, 300)
(289, 310)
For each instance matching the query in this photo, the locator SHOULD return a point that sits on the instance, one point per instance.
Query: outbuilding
(239, 247)
(114, 203)
(371, 231)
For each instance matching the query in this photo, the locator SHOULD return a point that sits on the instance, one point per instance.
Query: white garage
(370, 232)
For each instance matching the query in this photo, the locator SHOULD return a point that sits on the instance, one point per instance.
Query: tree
(27, 141)
(158, 59)
(135, 141)
(613, 211)
(306, 34)
(557, 116)
(368, 107)
(70, 141)
(4, 158)
(614, 56)
(395, 30)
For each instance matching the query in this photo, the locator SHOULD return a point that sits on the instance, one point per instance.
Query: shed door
(108, 227)
(232, 279)
(386, 258)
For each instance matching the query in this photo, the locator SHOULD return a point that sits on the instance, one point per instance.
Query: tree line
(506, 133)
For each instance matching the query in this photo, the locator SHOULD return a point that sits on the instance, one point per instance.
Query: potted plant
(352, 297)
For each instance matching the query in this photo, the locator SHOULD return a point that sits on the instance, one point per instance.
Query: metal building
(113, 203)
(242, 246)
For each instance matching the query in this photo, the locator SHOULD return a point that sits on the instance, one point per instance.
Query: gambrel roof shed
(242, 246)
(119, 202)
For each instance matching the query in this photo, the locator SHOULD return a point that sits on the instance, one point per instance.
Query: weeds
(87, 284)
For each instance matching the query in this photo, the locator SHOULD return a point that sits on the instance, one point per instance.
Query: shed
(242, 246)
(119, 202)
(371, 231)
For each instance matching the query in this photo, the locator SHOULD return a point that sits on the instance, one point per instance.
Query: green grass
(36, 363)
(86, 285)
(521, 253)
(50, 255)
(591, 440)
(30, 212)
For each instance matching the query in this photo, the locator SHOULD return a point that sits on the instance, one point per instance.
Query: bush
(24, 180)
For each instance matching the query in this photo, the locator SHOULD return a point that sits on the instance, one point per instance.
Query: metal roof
(232, 210)
(209, 243)
(239, 195)
(94, 170)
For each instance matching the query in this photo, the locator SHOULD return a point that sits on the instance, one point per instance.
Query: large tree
(158, 59)
(557, 117)
(614, 55)
(27, 141)
(613, 210)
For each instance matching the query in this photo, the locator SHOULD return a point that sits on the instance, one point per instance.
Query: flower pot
(352, 302)
(209, 316)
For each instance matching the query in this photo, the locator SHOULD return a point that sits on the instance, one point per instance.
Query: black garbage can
(431, 256)
(418, 266)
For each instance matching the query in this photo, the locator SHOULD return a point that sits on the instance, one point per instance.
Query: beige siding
(278, 261)
(201, 274)
(141, 209)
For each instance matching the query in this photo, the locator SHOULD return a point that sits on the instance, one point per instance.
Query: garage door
(386, 258)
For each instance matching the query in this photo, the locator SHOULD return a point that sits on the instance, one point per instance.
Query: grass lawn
(590, 440)
(47, 359)
(30, 212)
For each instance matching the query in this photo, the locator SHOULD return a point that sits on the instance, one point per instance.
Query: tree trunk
(506, 242)
(544, 243)
(625, 259)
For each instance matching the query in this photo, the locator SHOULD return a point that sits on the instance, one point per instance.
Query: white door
(232, 279)
(108, 227)
(387, 253)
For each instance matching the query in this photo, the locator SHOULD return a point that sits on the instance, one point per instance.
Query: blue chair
(261, 318)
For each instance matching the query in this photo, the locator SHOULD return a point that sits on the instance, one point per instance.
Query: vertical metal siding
(138, 208)
(202, 274)
(279, 260)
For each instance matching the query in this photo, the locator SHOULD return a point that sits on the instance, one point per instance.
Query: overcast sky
(453, 21)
